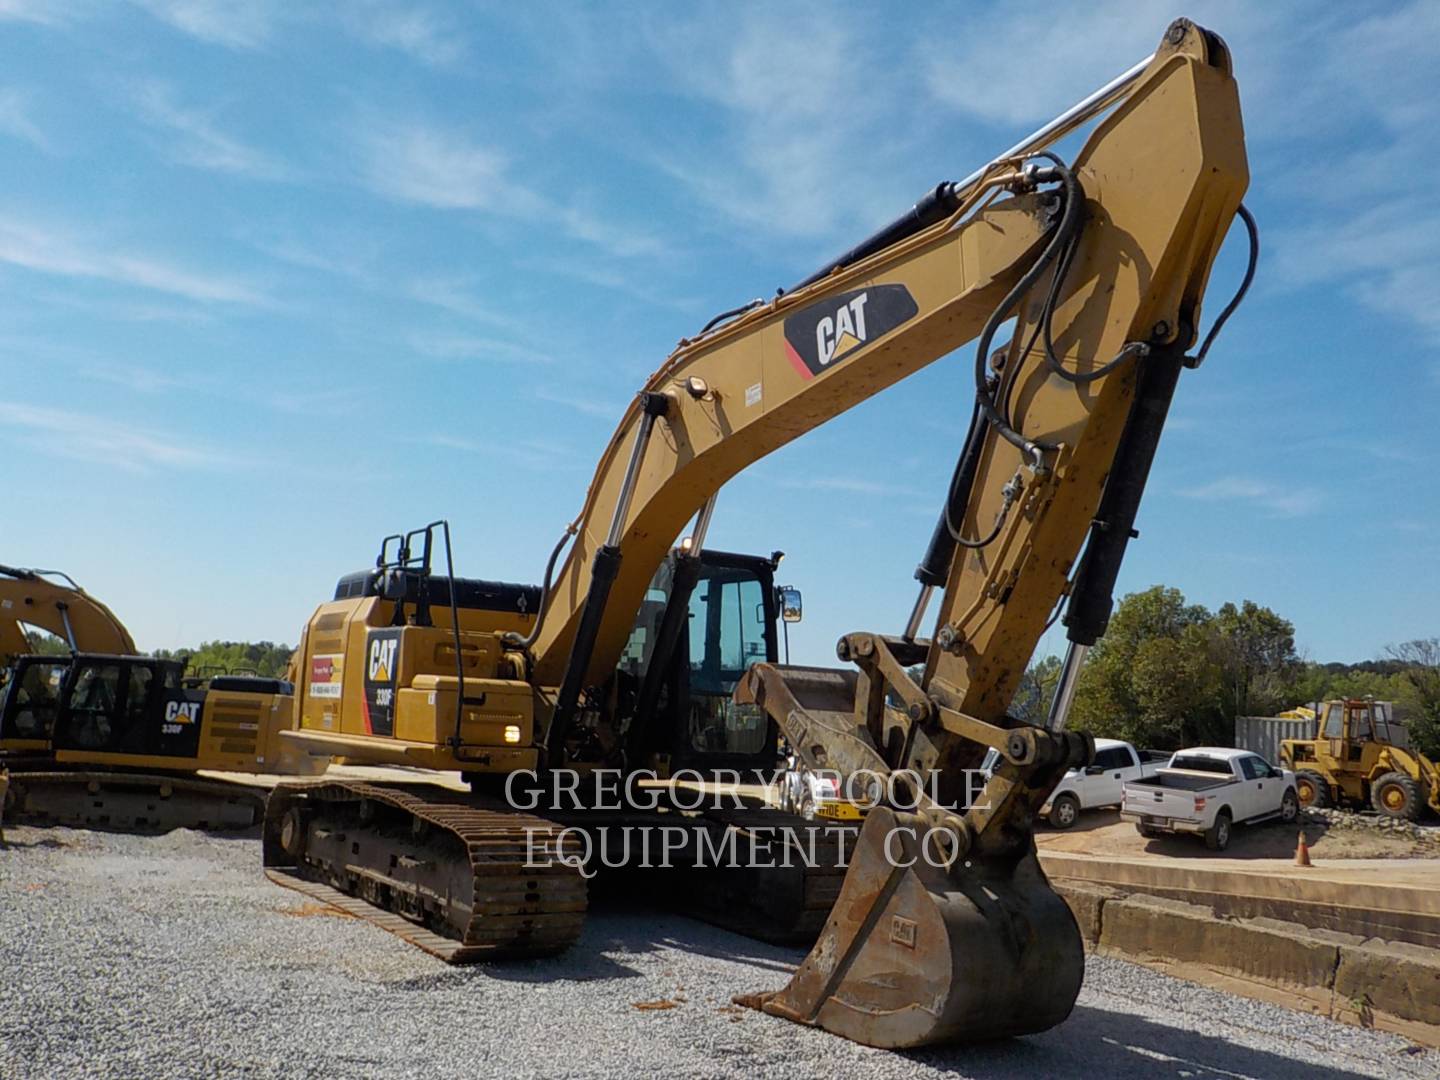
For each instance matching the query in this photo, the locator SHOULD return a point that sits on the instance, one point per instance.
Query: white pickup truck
(1206, 791)
(1101, 783)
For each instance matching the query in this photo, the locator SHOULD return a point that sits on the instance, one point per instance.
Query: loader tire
(1312, 790)
(1396, 795)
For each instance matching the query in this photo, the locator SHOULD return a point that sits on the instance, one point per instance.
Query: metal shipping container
(1262, 734)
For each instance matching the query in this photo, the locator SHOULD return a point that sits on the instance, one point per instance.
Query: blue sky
(277, 279)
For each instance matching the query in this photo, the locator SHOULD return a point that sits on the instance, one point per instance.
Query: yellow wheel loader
(1360, 756)
(944, 928)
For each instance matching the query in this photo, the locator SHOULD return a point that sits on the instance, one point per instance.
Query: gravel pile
(1347, 819)
(127, 956)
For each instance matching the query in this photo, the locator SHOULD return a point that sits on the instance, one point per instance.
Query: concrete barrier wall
(1359, 980)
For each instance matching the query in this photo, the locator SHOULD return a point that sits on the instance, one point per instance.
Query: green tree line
(264, 658)
(1169, 673)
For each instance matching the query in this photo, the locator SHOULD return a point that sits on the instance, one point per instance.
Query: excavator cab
(130, 706)
(706, 620)
(30, 702)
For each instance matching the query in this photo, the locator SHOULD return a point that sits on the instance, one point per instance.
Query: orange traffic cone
(1302, 851)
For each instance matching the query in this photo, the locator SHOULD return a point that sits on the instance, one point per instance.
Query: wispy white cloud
(794, 116)
(48, 251)
(16, 118)
(354, 262)
(425, 32)
(414, 160)
(458, 295)
(1013, 66)
(595, 228)
(43, 12)
(1376, 100)
(588, 405)
(849, 485)
(97, 440)
(534, 454)
(1387, 257)
(192, 137)
(142, 380)
(239, 24)
(463, 347)
(1277, 500)
(430, 36)
(327, 402)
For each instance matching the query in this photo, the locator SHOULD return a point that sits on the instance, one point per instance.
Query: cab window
(727, 633)
(98, 689)
(1115, 758)
(37, 695)
(1334, 721)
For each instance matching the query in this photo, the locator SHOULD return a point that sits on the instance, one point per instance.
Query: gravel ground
(127, 956)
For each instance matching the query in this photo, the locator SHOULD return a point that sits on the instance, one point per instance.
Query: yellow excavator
(51, 601)
(945, 928)
(103, 736)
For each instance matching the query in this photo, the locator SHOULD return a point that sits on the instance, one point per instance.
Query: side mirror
(1094, 770)
(792, 607)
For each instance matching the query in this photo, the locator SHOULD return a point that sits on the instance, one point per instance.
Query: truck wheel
(1312, 789)
(1064, 812)
(1289, 807)
(1396, 795)
(1217, 837)
(785, 800)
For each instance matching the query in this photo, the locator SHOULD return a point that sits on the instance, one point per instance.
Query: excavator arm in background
(30, 598)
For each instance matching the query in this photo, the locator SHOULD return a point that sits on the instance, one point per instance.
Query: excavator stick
(915, 953)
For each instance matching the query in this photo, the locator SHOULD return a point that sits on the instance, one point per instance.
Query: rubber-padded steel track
(136, 801)
(463, 881)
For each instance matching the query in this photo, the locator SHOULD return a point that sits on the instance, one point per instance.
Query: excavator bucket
(916, 954)
(921, 947)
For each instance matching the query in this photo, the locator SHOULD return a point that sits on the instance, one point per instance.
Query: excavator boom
(32, 599)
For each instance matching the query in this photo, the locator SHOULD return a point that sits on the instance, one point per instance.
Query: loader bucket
(914, 954)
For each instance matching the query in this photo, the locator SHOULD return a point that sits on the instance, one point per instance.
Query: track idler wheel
(915, 954)
(292, 833)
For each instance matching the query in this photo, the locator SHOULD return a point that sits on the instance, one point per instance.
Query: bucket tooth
(915, 955)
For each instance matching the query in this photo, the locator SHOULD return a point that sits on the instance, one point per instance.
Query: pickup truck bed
(1185, 781)
(1206, 791)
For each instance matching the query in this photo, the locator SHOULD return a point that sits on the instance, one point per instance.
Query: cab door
(1258, 789)
(1104, 782)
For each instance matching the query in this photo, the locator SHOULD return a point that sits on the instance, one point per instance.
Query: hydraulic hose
(1072, 219)
(515, 639)
(1254, 232)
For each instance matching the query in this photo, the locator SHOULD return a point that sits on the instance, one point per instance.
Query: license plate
(1151, 819)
